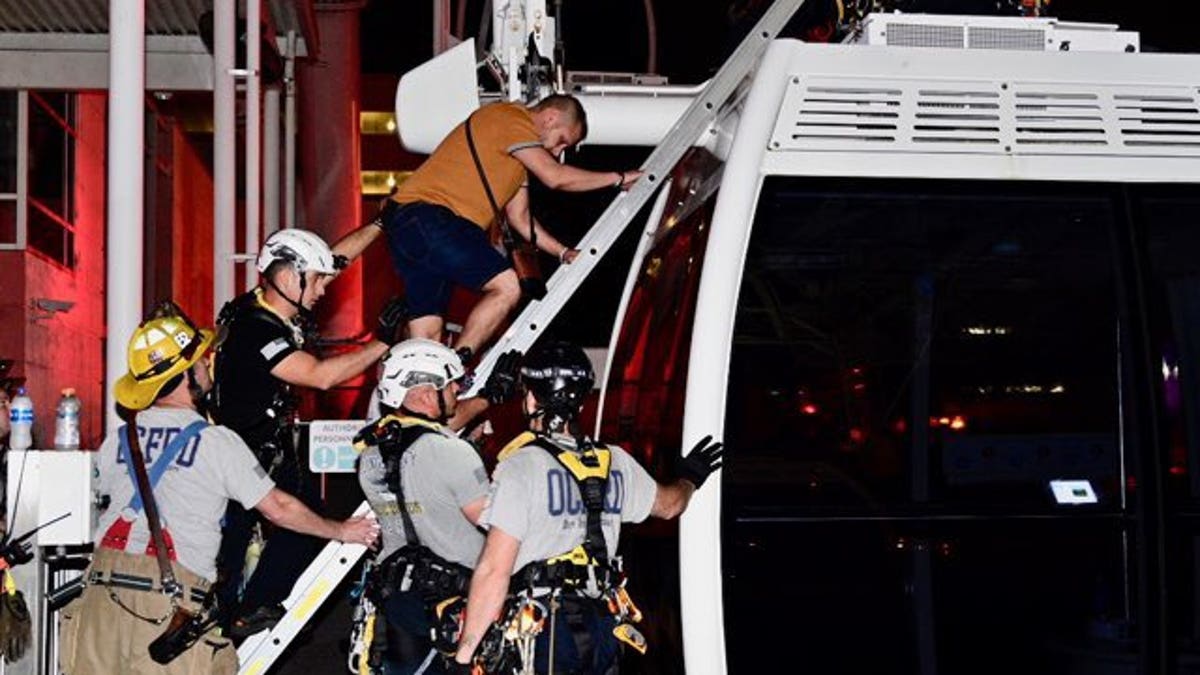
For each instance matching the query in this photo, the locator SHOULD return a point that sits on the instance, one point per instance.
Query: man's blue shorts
(432, 248)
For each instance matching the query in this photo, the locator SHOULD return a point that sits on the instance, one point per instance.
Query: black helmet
(560, 376)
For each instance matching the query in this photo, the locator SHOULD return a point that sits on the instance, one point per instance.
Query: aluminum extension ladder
(332, 564)
(259, 652)
(723, 91)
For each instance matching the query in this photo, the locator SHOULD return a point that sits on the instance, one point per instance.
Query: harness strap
(394, 436)
(589, 465)
(117, 534)
(590, 469)
(271, 420)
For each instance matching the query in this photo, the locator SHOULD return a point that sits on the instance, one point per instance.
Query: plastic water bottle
(66, 422)
(20, 435)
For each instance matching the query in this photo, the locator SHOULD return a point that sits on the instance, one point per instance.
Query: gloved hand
(394, 313)
(15, 626)
(16, 553)
(704, 459)
(505, 380)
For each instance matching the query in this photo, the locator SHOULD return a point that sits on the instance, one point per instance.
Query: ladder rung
(724, 89)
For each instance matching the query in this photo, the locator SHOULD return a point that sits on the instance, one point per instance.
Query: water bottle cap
(20, 391)
(69, 391)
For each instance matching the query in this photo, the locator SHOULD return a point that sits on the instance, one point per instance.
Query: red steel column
(329, 164)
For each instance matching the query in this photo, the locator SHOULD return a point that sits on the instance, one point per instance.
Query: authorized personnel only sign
(331, 447)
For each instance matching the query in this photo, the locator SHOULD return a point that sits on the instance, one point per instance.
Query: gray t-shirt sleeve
(242, 477)
(507, 504)
(460, 468)
(371, 474)
(641, 486)
(105, 456)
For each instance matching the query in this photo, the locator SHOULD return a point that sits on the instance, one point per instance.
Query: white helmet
(303, 249)
(413, 363)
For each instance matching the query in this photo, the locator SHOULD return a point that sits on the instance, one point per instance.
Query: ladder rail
(260, 651)
(723, 88)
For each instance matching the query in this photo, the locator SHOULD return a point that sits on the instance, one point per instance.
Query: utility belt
(62, 595)
(566, 583)
(137, 583)
(574, 572)
(420, 570)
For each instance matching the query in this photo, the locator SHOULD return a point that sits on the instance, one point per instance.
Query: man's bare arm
(305, 370)
(352, 245)
(671, 499)
(567, 178)
(286, 511)
(489, 587)
(522, 220)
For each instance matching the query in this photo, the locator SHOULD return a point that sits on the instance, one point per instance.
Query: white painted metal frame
(270, 161)
(224, 153)
(752, 158)
(289, 132)
(76, 62)
(21, 197)
(125, 185)
(253, 149)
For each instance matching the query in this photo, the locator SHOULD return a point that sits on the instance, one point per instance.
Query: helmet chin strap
(305, 313)
(443, 414)
(200, 398)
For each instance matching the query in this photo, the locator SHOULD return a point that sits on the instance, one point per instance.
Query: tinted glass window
(1170, 217)
(8, 141)
(51, 176)
(913, 364)
(900, 343)
(8, 221)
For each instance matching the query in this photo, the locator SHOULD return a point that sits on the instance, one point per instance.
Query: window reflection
(909, 342)
(8, 143)
(643, 407)
(51, 175)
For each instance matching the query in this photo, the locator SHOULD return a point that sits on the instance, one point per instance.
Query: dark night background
(693, 39)
(695, 35)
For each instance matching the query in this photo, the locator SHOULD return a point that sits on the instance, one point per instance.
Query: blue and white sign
(331, 445)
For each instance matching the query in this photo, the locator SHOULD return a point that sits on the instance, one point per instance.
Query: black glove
(15, 626)
(16, 553)
(704, 459)
(505, 380)
(394, 314)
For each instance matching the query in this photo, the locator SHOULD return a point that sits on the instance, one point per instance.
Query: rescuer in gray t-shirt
(193, 470)
(444, 486)
(443, 482)
(541, 527)
(536, 500)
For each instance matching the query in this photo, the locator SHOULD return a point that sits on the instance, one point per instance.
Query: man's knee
(504, 287)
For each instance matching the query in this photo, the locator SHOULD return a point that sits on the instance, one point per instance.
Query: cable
(16, 500)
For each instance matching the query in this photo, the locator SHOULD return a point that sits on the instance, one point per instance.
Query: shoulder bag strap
(169, 584)
(501, 220)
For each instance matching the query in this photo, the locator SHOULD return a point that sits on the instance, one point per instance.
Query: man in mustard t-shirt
(438, 236)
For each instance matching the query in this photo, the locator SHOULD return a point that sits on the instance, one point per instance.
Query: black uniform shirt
(255, 341)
